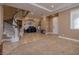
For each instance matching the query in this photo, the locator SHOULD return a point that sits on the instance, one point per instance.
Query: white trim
(49, 32)
(34, 4)
(72, 20)
(75, 40)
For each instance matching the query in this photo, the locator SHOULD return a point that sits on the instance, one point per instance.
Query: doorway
(55, 25)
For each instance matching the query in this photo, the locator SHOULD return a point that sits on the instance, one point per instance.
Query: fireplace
(30, 29)
(29, 26)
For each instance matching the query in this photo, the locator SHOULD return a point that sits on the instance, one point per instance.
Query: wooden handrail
(1, 49)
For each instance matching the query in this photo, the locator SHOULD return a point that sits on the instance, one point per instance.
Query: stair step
(6, 37)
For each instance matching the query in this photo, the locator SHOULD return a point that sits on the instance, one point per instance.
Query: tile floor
(40, 44)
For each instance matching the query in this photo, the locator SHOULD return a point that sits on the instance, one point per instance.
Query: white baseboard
(49, 32)
(67, 38)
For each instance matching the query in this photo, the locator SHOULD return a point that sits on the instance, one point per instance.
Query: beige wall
(1, 22)
(64, 25)
(8, 12)
(50, 24)
(44, 23)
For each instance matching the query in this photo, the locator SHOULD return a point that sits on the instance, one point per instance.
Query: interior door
(55, 25)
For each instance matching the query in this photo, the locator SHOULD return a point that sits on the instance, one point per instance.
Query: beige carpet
(40, 44)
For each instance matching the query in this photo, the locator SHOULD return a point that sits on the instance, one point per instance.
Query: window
(75, 19)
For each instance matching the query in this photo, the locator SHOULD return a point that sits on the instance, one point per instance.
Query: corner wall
(64, 25)
(1, 22)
